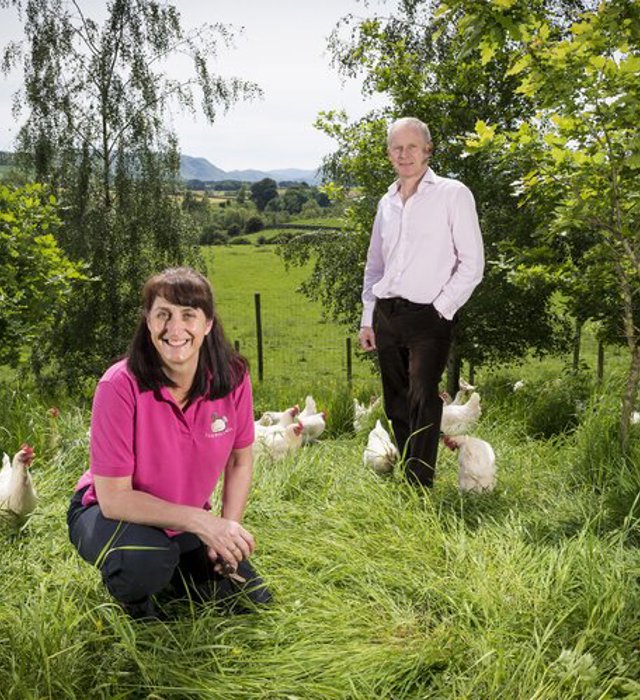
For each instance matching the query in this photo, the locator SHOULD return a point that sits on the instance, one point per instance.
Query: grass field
(531, 592)
(300, 346)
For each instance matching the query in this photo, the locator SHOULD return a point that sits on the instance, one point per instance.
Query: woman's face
(177, 332)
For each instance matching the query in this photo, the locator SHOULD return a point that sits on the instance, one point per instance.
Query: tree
(263, 191)
(583, 80)
(36, 279)
(418, 69)
(97, 96)
(254, 224)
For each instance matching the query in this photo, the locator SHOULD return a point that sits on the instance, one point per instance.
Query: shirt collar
(429, 178)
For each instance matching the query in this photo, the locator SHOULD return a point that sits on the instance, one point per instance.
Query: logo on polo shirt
(218, 423)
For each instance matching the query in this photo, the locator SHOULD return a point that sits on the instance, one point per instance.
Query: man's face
(408, 152)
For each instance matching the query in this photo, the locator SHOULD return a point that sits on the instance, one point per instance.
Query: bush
(234, 230)
(254, 224)
(546, 405)
(240, 241)
(555, 406)
(213, 236)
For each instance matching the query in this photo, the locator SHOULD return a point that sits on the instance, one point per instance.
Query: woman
(166, 422)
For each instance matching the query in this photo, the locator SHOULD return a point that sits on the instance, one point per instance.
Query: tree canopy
(582, 144)
(35, 276)
(97, 96)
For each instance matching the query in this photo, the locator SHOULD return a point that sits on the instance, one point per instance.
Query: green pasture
(300, 345)
(379, 591)
(332, 221)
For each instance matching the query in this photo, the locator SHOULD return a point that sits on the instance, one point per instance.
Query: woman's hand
(225, 539)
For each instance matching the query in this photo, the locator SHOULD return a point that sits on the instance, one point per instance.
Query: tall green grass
(379, 591)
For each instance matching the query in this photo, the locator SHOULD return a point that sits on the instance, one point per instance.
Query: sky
(283, 48)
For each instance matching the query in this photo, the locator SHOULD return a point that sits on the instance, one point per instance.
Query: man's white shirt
(427, 249)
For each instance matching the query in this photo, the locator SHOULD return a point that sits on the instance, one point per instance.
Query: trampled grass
(529, 592)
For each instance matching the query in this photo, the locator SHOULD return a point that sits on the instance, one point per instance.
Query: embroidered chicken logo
(218, 423)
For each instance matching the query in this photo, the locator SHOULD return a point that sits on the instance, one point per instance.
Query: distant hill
(201, 169)
(192, 168)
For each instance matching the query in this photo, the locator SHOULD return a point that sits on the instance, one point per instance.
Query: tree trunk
(576, 344)
(633, 377)
(630, 393)
(600, 363)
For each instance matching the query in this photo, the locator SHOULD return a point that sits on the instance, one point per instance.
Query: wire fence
(285, 336)
(280, 350)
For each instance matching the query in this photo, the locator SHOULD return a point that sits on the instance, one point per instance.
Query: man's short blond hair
(412, 122)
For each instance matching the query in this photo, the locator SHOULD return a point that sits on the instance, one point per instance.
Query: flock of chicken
(279, 433)
(476, 458)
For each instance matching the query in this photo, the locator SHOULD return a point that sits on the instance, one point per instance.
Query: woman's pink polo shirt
(173, 454)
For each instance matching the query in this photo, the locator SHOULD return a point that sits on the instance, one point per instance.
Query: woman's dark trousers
(139, 561)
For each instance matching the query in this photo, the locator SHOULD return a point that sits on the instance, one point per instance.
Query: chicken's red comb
(26, 447)
(451, 444)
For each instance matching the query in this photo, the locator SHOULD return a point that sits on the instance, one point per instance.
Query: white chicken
(477, 463)
(279, 418)
(312, 426)
(458, 399)
(278, 443)
(282, 418)
(310, 408)
(458, 420)
(380, 453)
(362, 413)
(17, 493)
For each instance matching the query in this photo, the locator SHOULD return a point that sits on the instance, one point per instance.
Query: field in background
(300, 345)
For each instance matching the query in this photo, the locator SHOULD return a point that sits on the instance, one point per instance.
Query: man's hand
(367, 338)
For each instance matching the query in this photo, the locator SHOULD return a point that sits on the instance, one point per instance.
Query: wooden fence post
(256, 298)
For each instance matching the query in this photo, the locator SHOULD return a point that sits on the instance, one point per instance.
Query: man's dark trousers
(413, 343)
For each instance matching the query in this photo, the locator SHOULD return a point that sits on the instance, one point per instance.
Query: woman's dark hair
(220, 367)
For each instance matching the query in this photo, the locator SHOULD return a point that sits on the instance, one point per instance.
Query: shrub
(240, 241)
(253, 224)
(555, 406)
(213, 236)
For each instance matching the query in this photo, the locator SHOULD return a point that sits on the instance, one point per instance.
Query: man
(425, 259)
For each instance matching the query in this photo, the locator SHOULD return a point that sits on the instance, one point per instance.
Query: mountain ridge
(198, 168)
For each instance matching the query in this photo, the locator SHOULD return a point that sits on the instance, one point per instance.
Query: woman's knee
(132, 572)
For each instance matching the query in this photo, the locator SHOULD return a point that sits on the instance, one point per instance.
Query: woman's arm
(237, 483)
(222, 535)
